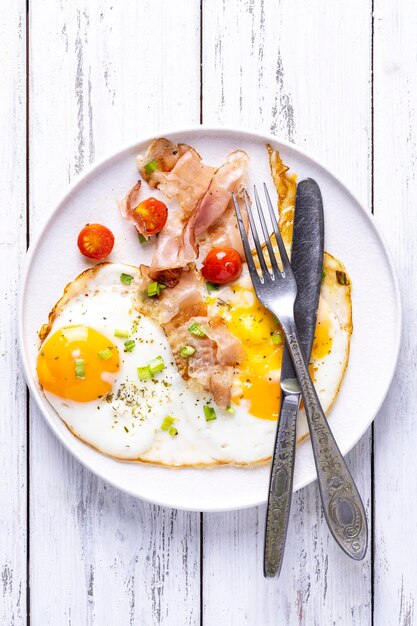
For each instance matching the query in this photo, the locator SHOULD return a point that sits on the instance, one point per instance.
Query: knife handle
(342, 504)
(280, 486)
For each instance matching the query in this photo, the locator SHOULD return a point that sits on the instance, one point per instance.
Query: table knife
(307, 264)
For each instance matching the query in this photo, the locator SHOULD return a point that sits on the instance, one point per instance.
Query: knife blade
(307, 264)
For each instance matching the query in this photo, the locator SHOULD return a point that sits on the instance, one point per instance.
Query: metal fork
(276, 289)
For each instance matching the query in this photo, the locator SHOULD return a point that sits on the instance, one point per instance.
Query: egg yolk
(77, 363)
(259, 372)
(322, 343)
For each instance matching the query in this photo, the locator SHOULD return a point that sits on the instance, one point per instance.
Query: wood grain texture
(302, 70)
(98, 76)
(395, 124)
(12, 247)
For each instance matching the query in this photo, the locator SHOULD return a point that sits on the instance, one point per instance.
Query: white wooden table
(79, 77)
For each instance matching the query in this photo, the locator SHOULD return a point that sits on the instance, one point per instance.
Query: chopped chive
(79, 368)
(209, 413)
(167, 422)
(197, 329)
(156, 365)
(323, 275)
(187, 351)
(144, 373)
(104, 355)
(142, 238)
(129, 345)
(126, 279)
(230, 410)
(151, 167)
(275, 319)
(122, 334)
(276, 339)
(212, 286)
(173, 431)
(154, 289)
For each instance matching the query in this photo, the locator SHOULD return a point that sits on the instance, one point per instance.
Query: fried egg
(256, 383)
(88, 371)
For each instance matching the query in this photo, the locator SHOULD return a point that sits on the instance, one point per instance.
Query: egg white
(127, 425)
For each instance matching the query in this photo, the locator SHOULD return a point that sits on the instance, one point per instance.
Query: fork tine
(255, 234)
(282, 250)
(274, 263)
(248, 253)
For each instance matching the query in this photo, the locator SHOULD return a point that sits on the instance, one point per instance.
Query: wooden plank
(301, 69)
(12, 247)
(102, 73)
(395, 124)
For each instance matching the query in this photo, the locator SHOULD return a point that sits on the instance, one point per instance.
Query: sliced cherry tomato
(154, 214)
(95, 241)
(222, 265)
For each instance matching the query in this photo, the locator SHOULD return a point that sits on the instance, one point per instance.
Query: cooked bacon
(212, 364)
(189, 291)
(229, 348)
(128, 205)
(187, 181)
(225, 232)
(229, 178)
(165, 153)
(212, 219)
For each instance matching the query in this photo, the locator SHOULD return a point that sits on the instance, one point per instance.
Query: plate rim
(267, 137)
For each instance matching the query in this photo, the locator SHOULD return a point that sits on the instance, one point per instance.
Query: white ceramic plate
(351, 235)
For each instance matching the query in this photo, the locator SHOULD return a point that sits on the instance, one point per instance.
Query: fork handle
(342, 504)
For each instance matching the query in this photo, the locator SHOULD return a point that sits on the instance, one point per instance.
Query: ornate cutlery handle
(280, 487)
(342, 504)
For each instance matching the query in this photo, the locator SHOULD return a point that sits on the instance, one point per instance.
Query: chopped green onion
(323, 275)
(129, 345)
(122, 334)
(173, 431)
(230, 410)
(156, 365)
(209, 413)
(126, 279)
(79, 368)
(196, 329)
(154, 289)
(144, 373)
(187, 351)
(276, 339)
(167, 422)
(142, 238)
(212, 286)
(151, 167)
(275, 319)
(104, 355)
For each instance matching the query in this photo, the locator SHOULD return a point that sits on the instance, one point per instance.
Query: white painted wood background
(77, 79)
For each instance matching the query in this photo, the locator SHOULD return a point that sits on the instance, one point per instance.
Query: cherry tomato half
(154, 214)
(222, 265)
(95, 241)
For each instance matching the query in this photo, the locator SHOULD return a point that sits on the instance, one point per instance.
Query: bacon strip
(212, 364)
(128, 205)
